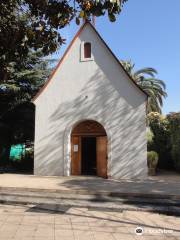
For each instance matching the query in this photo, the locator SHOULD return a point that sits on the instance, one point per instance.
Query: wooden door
(76, 155)
(101, 156)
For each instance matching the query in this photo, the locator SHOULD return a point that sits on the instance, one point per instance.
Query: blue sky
(148, 33)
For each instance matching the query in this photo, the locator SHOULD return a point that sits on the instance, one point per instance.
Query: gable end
(68, 49)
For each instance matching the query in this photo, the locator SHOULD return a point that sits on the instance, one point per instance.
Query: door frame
(88, 128)
(76, 157)
(67, 144)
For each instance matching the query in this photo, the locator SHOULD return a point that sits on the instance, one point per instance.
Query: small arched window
(87, 50)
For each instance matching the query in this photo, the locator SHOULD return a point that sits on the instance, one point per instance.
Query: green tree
(36, 24)
(160, 143)
(16, 111)
(25, 79)
(174, 123)
(146, 79)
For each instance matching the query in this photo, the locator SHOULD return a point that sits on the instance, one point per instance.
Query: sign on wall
(75, 148)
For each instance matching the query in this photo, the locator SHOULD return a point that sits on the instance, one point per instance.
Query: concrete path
(150, 187)
(32, 223)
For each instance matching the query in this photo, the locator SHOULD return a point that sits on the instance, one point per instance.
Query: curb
(97, 193)
(60, 207)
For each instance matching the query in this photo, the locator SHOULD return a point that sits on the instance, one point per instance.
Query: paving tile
(78, 220)
(27, 227)
(22, 238)
(80, 227)
(90, 226)
(30, 220)
(95, 222)
(113, 223)
(65, 238)
(7, 238)
(103, 229)
(151, 237)
(102, 236)
(62, 220)
(1, 223)
(44, 232)
(6, 227)
(7, 234)
(45, 226)
(47, 219)
(24, 233)
(83, 235)
(78, 211)
(138, 218)
(122, 229)
(176, 238)
(3, 217)
(45, 238)
(62, 226)
(119, 236)
(61, 233)
(14, 219)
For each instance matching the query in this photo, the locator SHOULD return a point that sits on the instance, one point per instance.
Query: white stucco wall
(98, 90)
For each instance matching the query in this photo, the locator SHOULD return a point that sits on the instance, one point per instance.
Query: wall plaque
(75, 148)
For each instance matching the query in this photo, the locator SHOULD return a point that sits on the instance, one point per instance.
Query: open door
(89, 149)
(101, 148)
(76, 155)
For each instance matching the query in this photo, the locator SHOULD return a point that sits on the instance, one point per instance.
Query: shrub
(174, 122)
(152, 158)
(161, 143)
(150, 138)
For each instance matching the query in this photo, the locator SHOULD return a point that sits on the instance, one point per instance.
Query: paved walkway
(154, 185)
(32, 223)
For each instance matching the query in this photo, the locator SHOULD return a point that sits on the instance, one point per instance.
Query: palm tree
(146, 79)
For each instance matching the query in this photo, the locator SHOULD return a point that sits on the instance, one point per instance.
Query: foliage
(146, 79)
(4, 139)
(161, 142)
(20, 78)
(17, 126)
(26, 77)
(34, 25)
(150, 137)
(26, 163)
(174, 122)
(166, 141)
(152, 158)
(21, 122)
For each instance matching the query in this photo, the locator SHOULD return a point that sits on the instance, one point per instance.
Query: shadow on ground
(91, 213)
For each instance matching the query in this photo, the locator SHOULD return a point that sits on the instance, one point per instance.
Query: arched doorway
(89, 149)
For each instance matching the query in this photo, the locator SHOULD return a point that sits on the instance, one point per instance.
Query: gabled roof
(68, 49)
